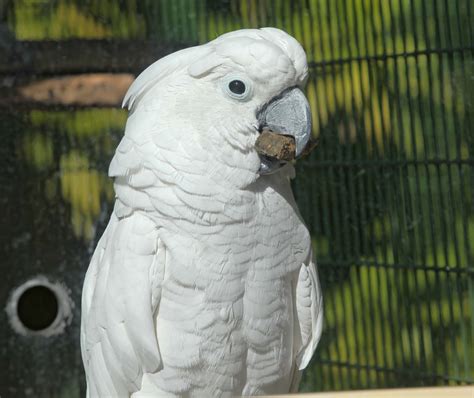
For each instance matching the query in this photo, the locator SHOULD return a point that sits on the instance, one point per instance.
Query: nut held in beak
(280, 146)
(274, 145)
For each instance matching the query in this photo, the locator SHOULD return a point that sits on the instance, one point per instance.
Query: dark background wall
(388, 194)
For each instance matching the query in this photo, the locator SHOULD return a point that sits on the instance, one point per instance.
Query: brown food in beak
(280, 146)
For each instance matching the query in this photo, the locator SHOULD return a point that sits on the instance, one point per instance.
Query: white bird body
(203, 282)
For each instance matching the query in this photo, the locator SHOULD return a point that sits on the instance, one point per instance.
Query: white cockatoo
(203, 282)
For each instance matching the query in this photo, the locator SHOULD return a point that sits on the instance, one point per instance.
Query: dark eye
(237, 86)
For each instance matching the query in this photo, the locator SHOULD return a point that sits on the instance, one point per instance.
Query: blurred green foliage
(388, 195)
(88, 139)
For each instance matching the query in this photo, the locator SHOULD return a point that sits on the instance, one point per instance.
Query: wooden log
(82, 56)
(95, 89)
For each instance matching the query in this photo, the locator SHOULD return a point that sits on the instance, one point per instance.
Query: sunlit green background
(388, 194)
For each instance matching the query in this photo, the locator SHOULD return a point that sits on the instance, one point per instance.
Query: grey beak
(288, 114)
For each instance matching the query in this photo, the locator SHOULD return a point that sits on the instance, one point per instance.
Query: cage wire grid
(391, 197)
(388, 194)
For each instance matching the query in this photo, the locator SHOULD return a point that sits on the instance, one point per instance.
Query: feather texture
(203, 282)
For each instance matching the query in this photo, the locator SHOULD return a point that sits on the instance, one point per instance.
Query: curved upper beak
(288, 113)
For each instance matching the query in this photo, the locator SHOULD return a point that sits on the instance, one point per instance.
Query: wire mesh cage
(388, 195)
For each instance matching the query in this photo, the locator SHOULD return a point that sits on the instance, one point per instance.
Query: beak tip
(303, 139)
(289, 113)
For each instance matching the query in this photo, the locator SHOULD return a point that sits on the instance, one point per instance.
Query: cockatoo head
(223, 93)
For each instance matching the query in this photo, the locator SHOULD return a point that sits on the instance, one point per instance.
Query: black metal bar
(387, 222)
(421, 206)
(371, 263)
(384, 57)
(465, 203)
(353, 238)
(370, 45)
(361, 164)
(331, 195)
(335, 193)
(50, 57)
(402, 371)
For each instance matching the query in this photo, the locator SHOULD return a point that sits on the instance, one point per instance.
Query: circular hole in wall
(39, 307)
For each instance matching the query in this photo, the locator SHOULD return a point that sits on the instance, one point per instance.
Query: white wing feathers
(309, 307)
(121, 294)
(309, 312)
